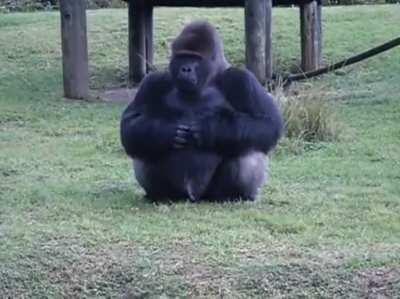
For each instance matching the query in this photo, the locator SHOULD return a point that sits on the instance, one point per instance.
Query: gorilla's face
(189, 72)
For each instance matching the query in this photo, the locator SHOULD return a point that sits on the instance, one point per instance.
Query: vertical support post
(319, 16)
(268, 41)
(74, 49)
(137, 41)
(149, 37)
(255, 11)
(309, 35)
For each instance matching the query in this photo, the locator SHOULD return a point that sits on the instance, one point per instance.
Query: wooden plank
(255, 11)
(149, 38)
(136, 42)
(74, 49)
(309, 30)
(268, 41)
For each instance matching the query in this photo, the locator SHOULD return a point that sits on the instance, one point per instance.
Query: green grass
(74, 224)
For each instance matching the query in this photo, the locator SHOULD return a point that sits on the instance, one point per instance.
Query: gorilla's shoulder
(234, 79)
(237, 74)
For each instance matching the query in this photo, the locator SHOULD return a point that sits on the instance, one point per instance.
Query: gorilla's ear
(201, 38)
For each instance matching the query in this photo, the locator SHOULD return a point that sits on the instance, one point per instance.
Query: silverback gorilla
(202, 129)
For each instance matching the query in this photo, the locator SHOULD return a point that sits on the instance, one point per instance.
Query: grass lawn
(74, 224)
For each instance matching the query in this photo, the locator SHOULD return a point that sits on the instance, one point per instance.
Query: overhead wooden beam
(137, 41)
(310, 31)
(255, 12)
(74, 49)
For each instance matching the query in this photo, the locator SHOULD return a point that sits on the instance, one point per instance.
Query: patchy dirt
(118, 95)
(69, 267)
(383, 282)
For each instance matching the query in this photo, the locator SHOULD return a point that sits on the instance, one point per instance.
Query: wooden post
(74, 49)
(268, 41)
(319, 16)
(309, 36)
(149, 37)
(255, 11)
(137, 41)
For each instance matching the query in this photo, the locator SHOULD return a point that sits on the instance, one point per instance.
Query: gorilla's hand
(189, 135)
(181, 136)
(212, 128)
(184, 136)
(201, 132)
(196, 136)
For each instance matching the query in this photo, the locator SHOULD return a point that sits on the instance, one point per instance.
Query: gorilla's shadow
(166, 201)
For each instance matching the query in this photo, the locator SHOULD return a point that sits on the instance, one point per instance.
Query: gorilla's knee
(239, 178)
(251, 174)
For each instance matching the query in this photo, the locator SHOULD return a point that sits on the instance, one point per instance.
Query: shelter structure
(258, 37)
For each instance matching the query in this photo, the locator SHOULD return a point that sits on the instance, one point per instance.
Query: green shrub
(309, 116)
(29, 5)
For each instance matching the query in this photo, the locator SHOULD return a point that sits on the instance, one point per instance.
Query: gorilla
(202, 129)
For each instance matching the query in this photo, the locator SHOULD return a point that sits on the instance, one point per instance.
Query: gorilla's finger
(180, 140)
(182, 133)
(196, 134)
(183, 127)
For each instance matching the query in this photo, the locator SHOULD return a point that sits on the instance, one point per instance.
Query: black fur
(205, 141)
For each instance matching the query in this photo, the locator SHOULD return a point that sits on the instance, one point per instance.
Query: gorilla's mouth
(187, 84)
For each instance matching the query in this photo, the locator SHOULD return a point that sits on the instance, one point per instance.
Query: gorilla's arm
(145, 129)
(255, 121)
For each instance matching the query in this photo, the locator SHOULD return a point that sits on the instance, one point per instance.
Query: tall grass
(308, 115)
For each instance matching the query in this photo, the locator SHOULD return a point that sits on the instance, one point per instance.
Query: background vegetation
(28, 5)
(74, 224)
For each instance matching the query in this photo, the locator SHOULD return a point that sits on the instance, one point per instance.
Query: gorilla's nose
(186, 69)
